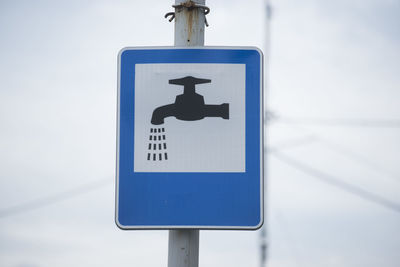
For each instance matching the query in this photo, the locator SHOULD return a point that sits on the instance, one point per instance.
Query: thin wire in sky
(331, 180)
(55, 198)
(340, 122)
(338, 148)
(370, 164)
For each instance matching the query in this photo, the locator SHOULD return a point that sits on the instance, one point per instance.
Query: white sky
(329, 59)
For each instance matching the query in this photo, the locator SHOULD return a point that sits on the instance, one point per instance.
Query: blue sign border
(190, 200)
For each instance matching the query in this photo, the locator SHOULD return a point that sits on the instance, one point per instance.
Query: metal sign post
(183, 245)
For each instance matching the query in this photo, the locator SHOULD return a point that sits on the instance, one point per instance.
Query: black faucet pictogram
(189, 106)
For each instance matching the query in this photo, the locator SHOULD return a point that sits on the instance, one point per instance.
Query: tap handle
(189, 83)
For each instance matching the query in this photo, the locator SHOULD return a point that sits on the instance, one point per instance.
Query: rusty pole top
(189, 22)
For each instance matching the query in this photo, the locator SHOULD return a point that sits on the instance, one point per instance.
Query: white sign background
(207, 145)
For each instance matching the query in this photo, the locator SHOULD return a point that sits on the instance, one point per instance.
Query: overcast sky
(337, 61)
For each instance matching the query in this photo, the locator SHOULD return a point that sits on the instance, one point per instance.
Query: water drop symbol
(157, 148)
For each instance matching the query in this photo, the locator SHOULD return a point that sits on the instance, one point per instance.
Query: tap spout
(216, 111)
(190, 105)
(160, 113)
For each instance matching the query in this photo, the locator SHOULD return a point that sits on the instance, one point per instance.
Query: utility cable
(342, 122)
(55, 198)
(358, 158)
(333, 181)
(291, 143)
(341, 149)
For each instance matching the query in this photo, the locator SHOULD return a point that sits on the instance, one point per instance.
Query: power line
(358, 158)
(338, 148)
(341, 122)
(291, 143)
(329, 179)
(52, 199)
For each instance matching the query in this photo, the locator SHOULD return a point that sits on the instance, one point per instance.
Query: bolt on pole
(183, 245)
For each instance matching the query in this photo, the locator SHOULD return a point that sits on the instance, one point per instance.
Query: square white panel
(212, 144)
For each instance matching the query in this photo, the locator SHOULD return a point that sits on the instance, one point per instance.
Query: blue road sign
(190, 138)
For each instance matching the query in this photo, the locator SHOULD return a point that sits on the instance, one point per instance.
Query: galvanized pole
(183, 248)
(183, 245)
